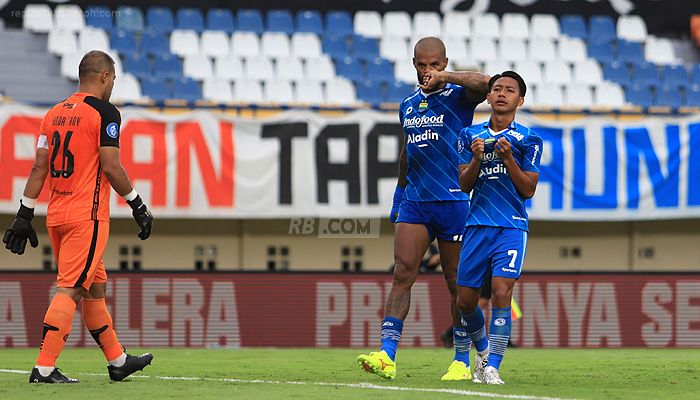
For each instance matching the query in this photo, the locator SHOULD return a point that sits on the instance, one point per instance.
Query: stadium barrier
(344, 310)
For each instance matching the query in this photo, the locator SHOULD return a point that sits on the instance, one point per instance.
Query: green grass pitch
(311, 374)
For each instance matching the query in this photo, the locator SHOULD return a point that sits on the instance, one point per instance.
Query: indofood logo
(424, 120)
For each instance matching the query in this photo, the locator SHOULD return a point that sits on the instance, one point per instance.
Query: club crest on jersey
(112, 130)
(418, 137)
(423, 105)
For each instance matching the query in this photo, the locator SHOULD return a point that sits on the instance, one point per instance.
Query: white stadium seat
(246, 91)
(215, 44)
(275, 44)
(578, 95)
(126, 89)
(397, 23)
(530, 71)
(572, 49)
(320, 69)
(512, 50)
(68, 17)
(184, 42)
(38, 18)
(486, 25)
(394, 48)
(368, 24)
(556, 72)
(542, 49)
(548, 95)
(544, 26)
(588, 72)
(228, 67)
(456, 48)
(197, 67)
(217, 90)
(426, 23)
(493, 67)
(404, 71)
(306, 45)
(258, 68)
(340, 91)
(515, 26)
(457, 24)
(631, 28)
(659, 51)
(309, 92)
(608, 94)
(69, 65)
(279, 92)
(482, 49)
(62, 42)
(289, 69)
(92, 39)
(245, 44)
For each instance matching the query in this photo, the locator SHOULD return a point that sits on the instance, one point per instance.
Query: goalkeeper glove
(143, 217)
(398, 197)
(15, 238)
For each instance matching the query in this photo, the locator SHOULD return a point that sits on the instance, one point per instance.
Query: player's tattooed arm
(477, 84)
(525, 182)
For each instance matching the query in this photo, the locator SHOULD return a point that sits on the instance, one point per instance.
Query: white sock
(44, 371)
(119, 361)
(483, 353)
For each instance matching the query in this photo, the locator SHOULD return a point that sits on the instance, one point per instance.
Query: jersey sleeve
(42, 139)
(464, 142)
(532, 153)
(109, 121)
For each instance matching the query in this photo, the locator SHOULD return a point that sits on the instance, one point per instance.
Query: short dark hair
(510, 74)
(94, 62)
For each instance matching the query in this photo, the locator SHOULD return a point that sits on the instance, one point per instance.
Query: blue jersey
(431, 123)
(495, 202)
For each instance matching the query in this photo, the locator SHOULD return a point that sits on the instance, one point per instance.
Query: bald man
(78, 149)
(428, 202)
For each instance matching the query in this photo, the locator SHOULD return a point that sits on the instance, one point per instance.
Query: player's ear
(521, 101)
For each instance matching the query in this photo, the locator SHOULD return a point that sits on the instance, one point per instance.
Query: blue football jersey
(495, 202)
(431, 123)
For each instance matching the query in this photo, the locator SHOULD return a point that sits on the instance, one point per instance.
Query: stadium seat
(249, 21)
(370, 92)
(530, 71)
(155, 89)
(154, 44)
(68, 17)
(189, 19)
(38, 18)
(228, 67)
(486, 25)
(616, 72)
(675, 76)
(631, 28)
(544, 26)
(340, 91)
(61, 42)
(609, 95)
(306, 45)
(245, 91)
(571, 49)
(547, 95)
(258, 68)
(337, 47)
(587, 72)
(398, 91)
(69, 65)
(482, 49)
(278, 92)
(393, 48)
(578, 95)
(427, 23)
(397, 23)
(275, 44)
(99, 17)
(215, 43)
(493, 67)
(197, 67)
(167, 67)
(123, 42)
(404, 71)
(670, 97)
(220, 19)
(512, 50)
(186, 89)
(289, 69)
(366, 48)
(338, 23)
(217, 90)
(456, 48)
(660, 51)
(629, 52)
(129, 19)
(645, 75)
(379, 71)
(279, 21)
(368, 24)
(160, 20)
(457, 24)
(601, 51)
(574, 26)
(693, 97)
(93, 39)
(184, 42)
(556, 72)
(309, 21)
(541, 49)
(245, 44)
(601, 28)
(309, 92)
(320, 69)
(127, 89)
(138, 66)
(349, 68)
(515, 26)
(640, 96)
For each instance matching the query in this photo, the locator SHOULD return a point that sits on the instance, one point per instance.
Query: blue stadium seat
(398, 91)
(380, 70)
(339, 23)
(616, 72)
(167, 67)
(138, 66)
(220, 19)
(601, 27)
(122, 41)
(129, 19)
(336, 47)
(645, 74)
(309, 21)
(280, 21)
(155, 88)
(693, 97)
(365, 48)
(574, 26)
(99, 17)
(601, 51)
(675, 76)
(370, 92)
(155, 44)
(160, 20)
(640, 96)
(186, 89)
(348, 67)
(630, 52)
(670, 97)
(190, 18)
(249, 21)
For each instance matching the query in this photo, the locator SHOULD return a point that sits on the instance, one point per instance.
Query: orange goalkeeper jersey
(73, 132)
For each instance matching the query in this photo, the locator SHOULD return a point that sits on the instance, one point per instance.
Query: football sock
(499, 334)
(99, 323)
(462, 343)
(391, 333)
(44, 371)
(474, 325)
(57, 326)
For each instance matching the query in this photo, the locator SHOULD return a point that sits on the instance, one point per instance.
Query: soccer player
(428, 202)
(502, 173)
(78, 149)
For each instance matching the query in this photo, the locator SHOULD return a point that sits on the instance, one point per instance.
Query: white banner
(304, 164)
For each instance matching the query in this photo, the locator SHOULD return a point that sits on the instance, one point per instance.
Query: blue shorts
(443, 219)
(490, 249)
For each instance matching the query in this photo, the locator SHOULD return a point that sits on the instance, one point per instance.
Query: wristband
(27, 202)
(131, 195)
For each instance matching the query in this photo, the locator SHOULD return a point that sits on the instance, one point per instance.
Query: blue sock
(462, 344)
(499, 333)
(391, 333)
(474, 325)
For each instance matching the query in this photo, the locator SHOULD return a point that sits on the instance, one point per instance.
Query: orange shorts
(78, 248)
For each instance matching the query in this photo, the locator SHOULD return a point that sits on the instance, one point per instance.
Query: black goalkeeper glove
(15, 238)
(143, 217)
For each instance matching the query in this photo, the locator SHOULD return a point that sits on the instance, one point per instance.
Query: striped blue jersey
(431, 123)
(495, 201)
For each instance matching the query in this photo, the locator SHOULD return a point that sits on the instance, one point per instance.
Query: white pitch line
(348, 385)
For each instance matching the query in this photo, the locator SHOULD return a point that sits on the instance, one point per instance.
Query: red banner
(331, 310)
